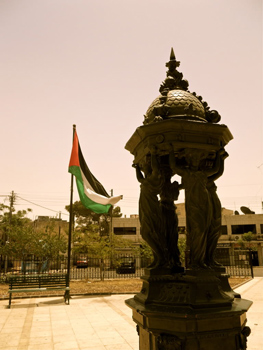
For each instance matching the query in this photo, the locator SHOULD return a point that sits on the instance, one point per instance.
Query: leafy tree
(248, 237)
(12, 221)
(145, 251)
(182, 248)
(101, 247)
(88, 221)
(48, 245)
(21, 241)
(245, 241)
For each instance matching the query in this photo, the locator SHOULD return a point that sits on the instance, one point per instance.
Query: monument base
(194, 310)
(192, 289)
(206, 329)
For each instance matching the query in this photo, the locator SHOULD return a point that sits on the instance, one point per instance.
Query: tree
(15, 231)
(182, 249)
(22, 241)
(85, 218)
(145, 251)
(101, 247)
(248, 237)
(246, 241)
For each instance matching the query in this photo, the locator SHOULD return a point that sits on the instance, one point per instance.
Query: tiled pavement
(253, 290)
(99, 323)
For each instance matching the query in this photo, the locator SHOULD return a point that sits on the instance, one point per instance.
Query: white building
(233, 227)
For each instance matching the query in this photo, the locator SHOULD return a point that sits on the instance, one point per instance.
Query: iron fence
(120, 266)
(237, 264)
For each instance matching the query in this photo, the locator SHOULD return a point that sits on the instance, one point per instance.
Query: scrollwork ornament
(168, 342)
(243, 338)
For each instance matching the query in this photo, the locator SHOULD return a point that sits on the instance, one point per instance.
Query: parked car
(82, 262)
(126, 267)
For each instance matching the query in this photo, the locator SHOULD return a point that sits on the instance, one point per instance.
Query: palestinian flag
(91, 192)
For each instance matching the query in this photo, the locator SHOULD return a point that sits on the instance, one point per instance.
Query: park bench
(38, 283)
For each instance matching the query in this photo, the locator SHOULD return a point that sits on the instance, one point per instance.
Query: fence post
(250, 263)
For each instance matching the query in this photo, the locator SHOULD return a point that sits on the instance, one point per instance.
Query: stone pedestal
(189, 311)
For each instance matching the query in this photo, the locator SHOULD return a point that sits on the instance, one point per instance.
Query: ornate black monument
(177, 308)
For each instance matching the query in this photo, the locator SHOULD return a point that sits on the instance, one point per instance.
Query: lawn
(116, 286)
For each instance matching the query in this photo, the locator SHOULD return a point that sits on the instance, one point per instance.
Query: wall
(228, 220)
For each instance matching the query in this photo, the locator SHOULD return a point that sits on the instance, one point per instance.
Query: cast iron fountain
(191, 308)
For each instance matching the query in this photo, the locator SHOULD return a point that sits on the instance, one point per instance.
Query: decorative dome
(176, 101)
(179, 103)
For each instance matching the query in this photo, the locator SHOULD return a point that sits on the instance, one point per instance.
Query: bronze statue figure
(214, 231)
(159, 222)
(198, 202)
(149, 209)
(169, 193)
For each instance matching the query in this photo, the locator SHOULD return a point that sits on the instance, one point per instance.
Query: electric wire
(41, 206)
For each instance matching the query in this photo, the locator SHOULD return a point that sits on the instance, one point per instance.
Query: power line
(41, 206)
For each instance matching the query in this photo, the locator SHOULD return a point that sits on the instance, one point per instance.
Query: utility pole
(12, 199)
(111, 212)
(59, 223)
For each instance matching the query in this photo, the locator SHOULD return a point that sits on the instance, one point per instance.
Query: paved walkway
(253, 290)
(98, 323)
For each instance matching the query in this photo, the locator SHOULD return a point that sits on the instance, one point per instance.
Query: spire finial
(172, 55)
(174, 78)
(172, 64)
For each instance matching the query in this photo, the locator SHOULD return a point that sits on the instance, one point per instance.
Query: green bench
(38, 283)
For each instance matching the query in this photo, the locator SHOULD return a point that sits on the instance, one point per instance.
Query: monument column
(177, 308)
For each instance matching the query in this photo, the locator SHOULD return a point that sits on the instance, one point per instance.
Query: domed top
(176, 101)
(179, 103)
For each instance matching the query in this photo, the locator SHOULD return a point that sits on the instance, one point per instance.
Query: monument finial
(172, 64)
(172, 55)
(174, 78)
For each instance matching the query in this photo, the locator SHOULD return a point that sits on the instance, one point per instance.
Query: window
(181, 230)
(224, 230)
(124, 230)
(241, 229)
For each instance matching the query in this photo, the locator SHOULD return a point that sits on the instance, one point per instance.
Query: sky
(99, 65)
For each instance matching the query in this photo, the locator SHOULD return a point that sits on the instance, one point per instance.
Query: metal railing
(121, 266)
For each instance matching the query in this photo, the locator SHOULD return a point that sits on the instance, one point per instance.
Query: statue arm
(219, 165)
(154, 161)
(172, 161)
(139, 174)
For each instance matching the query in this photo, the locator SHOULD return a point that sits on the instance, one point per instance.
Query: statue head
(145, 165)
(194, 157)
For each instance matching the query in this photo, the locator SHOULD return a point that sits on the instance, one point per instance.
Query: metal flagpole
(70, 219)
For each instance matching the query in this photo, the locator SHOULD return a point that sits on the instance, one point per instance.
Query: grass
(116, 286)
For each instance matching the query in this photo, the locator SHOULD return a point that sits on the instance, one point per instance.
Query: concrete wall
(228, 219)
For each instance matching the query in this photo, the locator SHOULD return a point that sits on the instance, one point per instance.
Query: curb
(71, 295)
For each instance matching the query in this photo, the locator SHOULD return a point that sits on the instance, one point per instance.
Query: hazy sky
(99, 65)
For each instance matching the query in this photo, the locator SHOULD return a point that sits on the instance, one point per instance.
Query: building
(233, 227)
(59, 226)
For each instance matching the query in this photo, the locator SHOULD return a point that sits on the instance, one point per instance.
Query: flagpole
(70, 218)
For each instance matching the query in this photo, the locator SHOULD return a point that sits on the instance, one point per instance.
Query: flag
(91, 192)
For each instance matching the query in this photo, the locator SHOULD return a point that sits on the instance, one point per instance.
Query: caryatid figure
(169, 193)
(149, 208)
(198, 204)
(214, 231)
